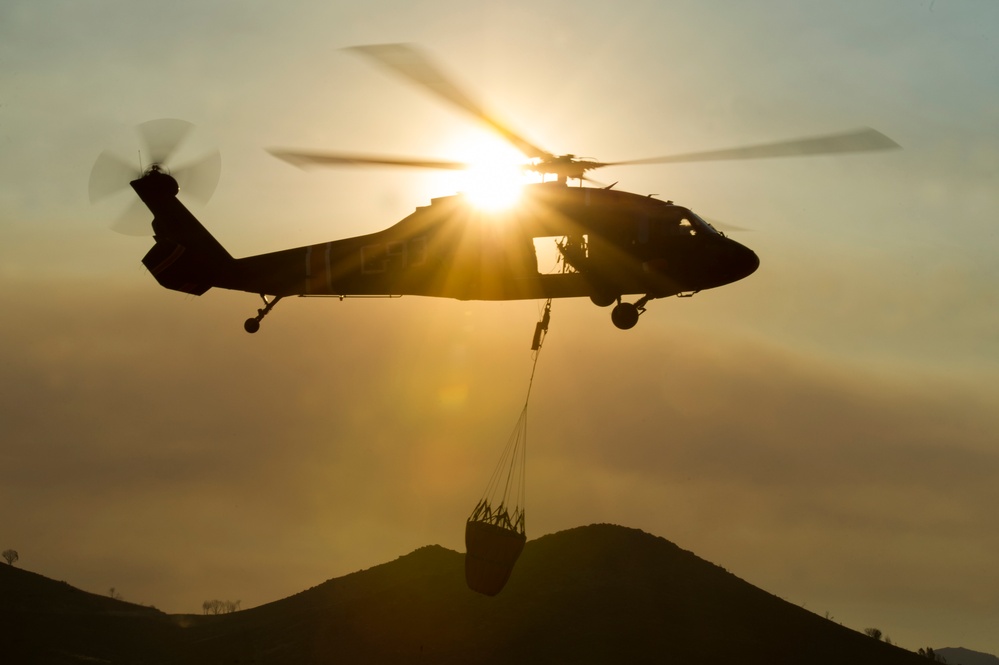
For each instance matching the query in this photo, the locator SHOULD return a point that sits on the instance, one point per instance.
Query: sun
(493, 186)
(495, 178)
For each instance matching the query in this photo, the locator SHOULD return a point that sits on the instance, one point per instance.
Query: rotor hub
(156, 183)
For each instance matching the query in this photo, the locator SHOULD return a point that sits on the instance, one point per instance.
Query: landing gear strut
(252, 325)
(625, 314)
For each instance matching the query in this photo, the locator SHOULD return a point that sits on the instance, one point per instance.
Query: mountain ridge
(962, 656)
(593, 594)
(25, 591)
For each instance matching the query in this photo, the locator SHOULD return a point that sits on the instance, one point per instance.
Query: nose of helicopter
(748, 261)
(741, 261)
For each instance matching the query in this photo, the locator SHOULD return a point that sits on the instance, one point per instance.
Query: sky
(824, 429)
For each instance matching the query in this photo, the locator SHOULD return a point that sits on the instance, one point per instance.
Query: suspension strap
(540, 332)
(508, 482)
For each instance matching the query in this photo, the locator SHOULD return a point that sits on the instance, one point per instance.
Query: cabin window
(547, 252)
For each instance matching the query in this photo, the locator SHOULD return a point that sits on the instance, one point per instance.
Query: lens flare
(495, 177)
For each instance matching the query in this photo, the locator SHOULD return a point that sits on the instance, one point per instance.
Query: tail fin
(186, 257)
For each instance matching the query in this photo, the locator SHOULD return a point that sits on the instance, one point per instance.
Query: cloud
(811, 479)
(151, 445)
(140, 424)
(823, 429)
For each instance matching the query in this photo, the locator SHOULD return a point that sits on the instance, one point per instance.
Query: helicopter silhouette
(610, 243)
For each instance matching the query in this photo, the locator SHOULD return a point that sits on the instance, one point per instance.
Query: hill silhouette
(962, 656)
(594, 594)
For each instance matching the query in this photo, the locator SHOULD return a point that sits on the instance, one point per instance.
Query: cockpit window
(675, 221)
(699, 222)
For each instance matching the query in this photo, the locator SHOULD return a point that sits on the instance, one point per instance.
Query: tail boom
(186, 257)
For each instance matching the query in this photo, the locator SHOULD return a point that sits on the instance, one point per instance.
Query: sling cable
(495, 532)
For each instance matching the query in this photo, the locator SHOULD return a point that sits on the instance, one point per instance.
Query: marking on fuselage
(394, 255)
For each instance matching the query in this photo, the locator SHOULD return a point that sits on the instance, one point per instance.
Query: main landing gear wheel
(625, 315)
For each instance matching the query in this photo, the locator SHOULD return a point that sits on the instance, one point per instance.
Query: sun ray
(495, 177)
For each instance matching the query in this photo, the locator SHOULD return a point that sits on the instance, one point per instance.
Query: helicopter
(610, 243)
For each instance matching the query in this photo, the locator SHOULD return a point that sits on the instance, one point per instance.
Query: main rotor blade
(304, 159)
(408, 62)
(861, 140)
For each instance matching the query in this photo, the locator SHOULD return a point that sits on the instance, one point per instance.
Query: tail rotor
(158, 144)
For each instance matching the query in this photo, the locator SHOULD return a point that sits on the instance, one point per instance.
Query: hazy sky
(825, 429)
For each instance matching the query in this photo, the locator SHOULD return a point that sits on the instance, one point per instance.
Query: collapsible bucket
(490, 553)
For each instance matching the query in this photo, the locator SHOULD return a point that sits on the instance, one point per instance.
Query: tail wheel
(252, 325)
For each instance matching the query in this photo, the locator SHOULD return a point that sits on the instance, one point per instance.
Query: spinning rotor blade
(304, 159)
(412, 64)
(861, 140)
(161, 138)
(726, 227)
(159, 142)
(408, 62)
(199, 179)
(133, 220)
(110, 175)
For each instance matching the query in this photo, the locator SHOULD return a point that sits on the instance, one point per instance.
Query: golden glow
(495, 179)
(494, 187)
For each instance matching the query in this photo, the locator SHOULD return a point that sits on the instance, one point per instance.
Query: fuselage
(612, 243)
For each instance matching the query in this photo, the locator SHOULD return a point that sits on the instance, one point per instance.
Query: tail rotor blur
(157, 144)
